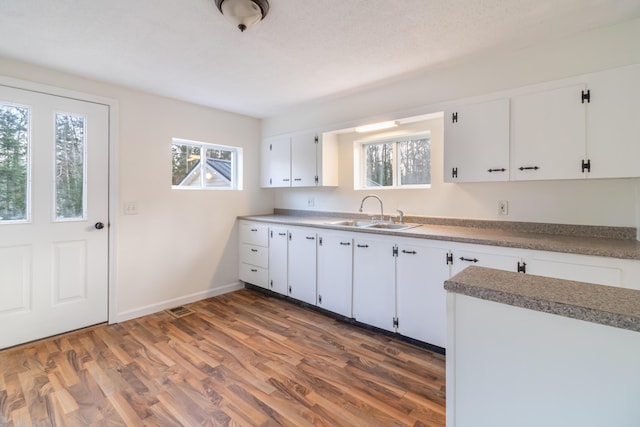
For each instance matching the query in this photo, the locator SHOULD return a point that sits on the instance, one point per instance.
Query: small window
(398, 162)
(198, 165)
(14, 163)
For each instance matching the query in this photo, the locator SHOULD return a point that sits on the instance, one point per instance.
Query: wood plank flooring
(242, 359)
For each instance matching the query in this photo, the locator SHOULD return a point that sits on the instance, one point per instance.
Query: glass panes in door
(14, 163)
(70, 172)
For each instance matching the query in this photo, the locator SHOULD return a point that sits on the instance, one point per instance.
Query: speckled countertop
(607, 305)
(615, 242)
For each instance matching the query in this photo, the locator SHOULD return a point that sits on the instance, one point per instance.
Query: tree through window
(399, 162)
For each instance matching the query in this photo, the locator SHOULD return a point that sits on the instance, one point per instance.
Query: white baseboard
(186, 299)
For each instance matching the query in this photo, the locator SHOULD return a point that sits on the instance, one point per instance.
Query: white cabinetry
(302, 264)
(335, 272)
(508, 259)
(254, 256)
(374, 282)
(278, 259)
(548, 134)
(421, 270)
(476, 142)
(300, 160)
(613, 124)
(276, 162)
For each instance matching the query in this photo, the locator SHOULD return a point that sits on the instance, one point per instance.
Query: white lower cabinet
(374, 282)
(335, 272)
(396, 283)
(302, 264)
(421, 270)
(278, 259)
(253, 265)
(508, 259)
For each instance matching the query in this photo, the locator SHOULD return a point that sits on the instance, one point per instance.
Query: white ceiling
(303, 51)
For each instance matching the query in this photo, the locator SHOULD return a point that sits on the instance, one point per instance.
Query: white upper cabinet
(548, 134)
(300, 160)
(613, 123)
(476, 142)
(276, 162)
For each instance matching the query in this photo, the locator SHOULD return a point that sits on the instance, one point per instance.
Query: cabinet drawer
(255, 255)
(254, 234)
(255, 275)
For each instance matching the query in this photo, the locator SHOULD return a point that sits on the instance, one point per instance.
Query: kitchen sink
(370, 224)
(390, 226)
(351, 223)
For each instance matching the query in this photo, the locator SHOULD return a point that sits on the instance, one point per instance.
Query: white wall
(183, 244)
(595, 202)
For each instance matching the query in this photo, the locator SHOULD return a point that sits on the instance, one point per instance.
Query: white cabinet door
(335, 272)
(302, 264)
(613, 123)
(303, 160)
(276, 162)
(548, 134)
(581, 268)
(327, 162)
(421, 299)
(476, 142)
(374, 287)
(278, 257)
(507, 259)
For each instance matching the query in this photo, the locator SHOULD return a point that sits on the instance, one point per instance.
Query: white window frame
(236, 165)
(359, 178)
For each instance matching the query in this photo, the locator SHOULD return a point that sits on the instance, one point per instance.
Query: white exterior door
(53, 215)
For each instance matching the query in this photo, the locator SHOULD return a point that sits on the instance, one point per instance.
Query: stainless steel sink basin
(351, 223)
(370, 224)
(390, 226)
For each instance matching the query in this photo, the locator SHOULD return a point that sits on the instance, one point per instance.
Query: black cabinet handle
(310, 238)
(254, 229)
(254, 270)
(345, 243)
(286, 179)
(363, 246)
(497, 170)
(468, 259)
(254, 250)
(297, 179)
(528, 168)
(409, 252)
(282, 234)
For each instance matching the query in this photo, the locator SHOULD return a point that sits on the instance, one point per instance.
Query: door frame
(112, 105)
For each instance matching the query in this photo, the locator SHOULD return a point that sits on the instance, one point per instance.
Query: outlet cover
(503, 207)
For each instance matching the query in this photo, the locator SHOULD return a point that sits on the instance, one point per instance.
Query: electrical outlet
(311, 202)
(503, 207)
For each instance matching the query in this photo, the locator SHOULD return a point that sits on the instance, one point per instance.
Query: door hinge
(316, 139)
(316, 179)
(454, 117)
(395, 251)
(320, 241)
(395, 322)
(586, 166)
(454, 172)
(586, 96)
(522, 267)
(449, 259)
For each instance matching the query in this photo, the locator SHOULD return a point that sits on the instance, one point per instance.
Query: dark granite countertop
(614, 242)
(606, 305)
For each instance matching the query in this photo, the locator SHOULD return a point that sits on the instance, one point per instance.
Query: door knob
(99, 226)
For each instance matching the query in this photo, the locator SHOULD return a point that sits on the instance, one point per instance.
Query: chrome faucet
(400, 216)
(381, 207)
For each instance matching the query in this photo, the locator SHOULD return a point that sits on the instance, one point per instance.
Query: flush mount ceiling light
(243, 13)
(376, 126)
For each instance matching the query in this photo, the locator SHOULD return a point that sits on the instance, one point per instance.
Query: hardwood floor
(241, 359)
